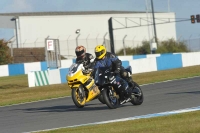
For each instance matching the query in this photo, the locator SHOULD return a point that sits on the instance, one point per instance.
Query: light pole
(154, 25)
(124, 44)
(77, 32)
(147, 14)
(16, 31)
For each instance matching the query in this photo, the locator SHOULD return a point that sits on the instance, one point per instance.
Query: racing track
(159, 97)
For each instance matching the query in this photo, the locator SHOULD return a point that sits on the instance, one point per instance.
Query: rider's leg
(130, 81)
(125, 91)
(127, 76)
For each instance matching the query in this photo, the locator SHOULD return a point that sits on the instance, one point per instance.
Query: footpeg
(125, 101)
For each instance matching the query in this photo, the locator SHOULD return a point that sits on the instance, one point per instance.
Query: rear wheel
(78, 97)
(110, 97)
(137, 95)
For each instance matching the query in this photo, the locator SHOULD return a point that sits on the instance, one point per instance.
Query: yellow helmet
(100, 51)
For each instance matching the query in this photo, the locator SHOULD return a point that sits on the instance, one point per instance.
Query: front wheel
(110, 97)
(137, 95)
(78, 96)
(101, 99)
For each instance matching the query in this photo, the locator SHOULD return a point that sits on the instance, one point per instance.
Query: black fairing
(102, 76)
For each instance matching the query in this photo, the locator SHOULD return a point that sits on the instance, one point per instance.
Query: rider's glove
(86, 66)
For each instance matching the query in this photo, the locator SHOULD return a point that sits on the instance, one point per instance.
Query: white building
(31, 29)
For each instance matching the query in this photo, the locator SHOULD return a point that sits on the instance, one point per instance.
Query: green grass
(179, 123)
(14, 89)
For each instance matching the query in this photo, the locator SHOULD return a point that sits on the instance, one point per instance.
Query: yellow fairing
(93, 91)
(76, 79)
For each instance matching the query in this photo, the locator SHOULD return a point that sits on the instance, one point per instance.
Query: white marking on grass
(129, 118)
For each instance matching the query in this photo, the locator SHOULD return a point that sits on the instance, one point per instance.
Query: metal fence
(193, 44)
(67, 46)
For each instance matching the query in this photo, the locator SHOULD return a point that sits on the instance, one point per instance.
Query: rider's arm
(79, 60)
(116, 63)
(90, 61)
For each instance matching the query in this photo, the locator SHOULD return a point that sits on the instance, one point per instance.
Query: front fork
(81, 92)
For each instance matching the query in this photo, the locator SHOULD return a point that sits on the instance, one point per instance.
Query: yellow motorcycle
(82, 84)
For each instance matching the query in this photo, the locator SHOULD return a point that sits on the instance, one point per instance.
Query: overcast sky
(182, 8)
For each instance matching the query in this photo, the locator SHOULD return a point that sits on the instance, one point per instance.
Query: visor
(79, 53)
(98, 54)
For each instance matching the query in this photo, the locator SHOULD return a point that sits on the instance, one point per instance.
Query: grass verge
(14, 89)
(179, 123)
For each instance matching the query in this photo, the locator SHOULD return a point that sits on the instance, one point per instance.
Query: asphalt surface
(158, 97)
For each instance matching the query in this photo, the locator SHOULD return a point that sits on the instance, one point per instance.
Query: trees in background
(5, 57)
(168, 46)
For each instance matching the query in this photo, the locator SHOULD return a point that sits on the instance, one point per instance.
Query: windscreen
(74, 68)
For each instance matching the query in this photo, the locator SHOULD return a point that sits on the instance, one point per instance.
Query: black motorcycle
(103, 79)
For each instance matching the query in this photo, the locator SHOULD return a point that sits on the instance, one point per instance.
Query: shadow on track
(187, 92)
(69, 108)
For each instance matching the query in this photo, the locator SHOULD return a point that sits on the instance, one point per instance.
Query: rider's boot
(125, 94)
(130, 81)
(128, 78)
(134, 89)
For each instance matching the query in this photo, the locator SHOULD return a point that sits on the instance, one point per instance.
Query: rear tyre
(137, 95)
(110, 97)
(78, 97)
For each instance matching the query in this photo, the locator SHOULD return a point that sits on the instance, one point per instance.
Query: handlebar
(87, 71)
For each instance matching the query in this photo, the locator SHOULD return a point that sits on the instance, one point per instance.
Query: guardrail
(38, 73)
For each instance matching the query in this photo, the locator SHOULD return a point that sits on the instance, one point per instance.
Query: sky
(181, 8)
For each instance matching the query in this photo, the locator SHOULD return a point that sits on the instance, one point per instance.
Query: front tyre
(137, 95)
(101, 99)
(110, 97)
(78, 97)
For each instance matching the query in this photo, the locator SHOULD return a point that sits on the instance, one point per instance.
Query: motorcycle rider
(82, 57)
(107, 59)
